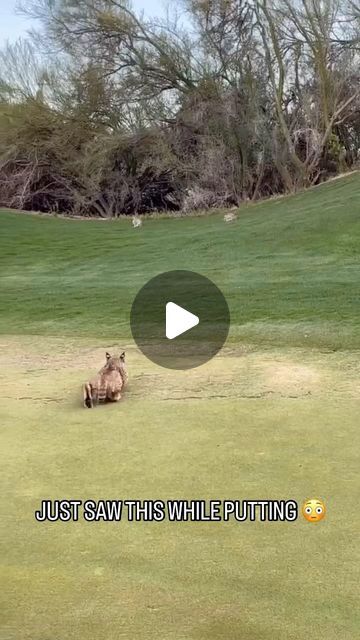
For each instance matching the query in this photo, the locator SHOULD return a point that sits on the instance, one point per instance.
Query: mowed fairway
(274, 416)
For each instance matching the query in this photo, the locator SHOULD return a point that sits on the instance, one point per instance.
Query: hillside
(262, 420)
(288, 267)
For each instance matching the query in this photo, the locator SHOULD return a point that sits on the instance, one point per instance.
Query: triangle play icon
(178, 320)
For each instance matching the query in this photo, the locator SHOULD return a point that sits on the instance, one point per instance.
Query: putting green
(258, 425)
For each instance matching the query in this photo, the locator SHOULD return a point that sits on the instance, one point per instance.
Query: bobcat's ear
(108, 356)
(122, 357)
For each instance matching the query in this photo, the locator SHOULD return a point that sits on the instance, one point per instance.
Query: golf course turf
(275, 416)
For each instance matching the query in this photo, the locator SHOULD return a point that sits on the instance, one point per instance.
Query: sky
(13, 26)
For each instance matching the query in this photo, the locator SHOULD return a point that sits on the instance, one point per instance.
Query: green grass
(289, 269)
(274, 416)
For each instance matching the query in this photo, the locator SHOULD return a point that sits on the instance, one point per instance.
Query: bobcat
(109, 382)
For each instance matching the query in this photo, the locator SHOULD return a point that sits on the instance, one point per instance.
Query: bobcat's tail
(88, 399)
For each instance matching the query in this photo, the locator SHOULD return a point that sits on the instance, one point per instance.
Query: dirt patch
(290, 377)
(39, 369)
(51, 354)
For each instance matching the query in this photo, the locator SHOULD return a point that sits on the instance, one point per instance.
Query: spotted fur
(108, 384)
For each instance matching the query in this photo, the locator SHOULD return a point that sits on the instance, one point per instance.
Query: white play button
(178, 320)
(165, 327)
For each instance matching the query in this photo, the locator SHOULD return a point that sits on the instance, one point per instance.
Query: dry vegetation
(105, 113)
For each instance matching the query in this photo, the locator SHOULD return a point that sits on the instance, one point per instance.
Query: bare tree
(107, 112)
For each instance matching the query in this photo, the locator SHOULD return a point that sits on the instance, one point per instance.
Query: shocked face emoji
(313, 510)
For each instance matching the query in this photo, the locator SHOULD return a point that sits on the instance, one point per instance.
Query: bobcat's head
(115, 363)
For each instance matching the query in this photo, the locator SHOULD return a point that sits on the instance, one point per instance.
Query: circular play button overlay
(180, 320)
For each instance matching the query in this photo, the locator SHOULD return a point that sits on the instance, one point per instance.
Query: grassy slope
(278, 423)
(289, 268)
